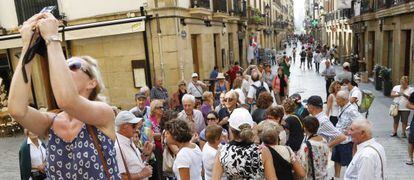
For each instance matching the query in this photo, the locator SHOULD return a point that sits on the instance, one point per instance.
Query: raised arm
(18, 106)
(67, 95)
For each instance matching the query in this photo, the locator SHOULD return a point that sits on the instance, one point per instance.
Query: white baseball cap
(194, 75)
(239, 117)
(124, 117)
(346, 64)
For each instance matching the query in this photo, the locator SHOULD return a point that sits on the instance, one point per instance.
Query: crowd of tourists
(245, 126)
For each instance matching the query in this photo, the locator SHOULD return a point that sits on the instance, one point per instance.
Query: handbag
(394, 109)
(168, 161)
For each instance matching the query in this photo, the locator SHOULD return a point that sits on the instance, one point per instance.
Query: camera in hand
(36, 46)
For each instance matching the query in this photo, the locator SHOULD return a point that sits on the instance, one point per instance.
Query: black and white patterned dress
(242, 161)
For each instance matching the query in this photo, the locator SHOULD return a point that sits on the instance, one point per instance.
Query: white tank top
(335, 108)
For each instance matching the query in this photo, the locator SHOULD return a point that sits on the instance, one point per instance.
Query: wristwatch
(52, 38)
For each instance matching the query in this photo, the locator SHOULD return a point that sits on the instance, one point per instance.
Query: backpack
(259, 89)
(366, 101)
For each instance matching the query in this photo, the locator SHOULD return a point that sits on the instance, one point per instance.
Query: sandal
(393, 134)
(409, 162)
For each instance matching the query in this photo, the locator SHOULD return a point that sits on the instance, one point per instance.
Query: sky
(299, 13)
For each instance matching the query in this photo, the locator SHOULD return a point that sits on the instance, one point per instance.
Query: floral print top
(320, 152)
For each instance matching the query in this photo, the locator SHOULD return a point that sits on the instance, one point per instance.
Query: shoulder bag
(394, 109)
(98, 147)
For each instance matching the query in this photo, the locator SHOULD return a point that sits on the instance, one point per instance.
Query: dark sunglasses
(228, 99)
(75, 65)
(211, 119)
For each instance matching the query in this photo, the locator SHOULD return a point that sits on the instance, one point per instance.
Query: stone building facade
(383, 35)
(138, 41)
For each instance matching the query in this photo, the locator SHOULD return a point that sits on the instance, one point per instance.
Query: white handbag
(394, 109)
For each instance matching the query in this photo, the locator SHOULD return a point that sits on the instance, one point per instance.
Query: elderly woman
(332, 110)
(264, 101)
(276, 114)
(212, 119)
(400, 93)
(208, 103)
(191, 115)
(221, 86)
(284, 159)
(314, 159)
(241, 158)
(147, 93)
(77, 87)
(188, 161)
(293, 125)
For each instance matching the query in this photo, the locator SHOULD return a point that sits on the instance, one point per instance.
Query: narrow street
(308, 83)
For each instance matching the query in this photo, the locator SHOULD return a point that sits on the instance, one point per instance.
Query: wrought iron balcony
(366, 7)
(239, 8)
(346, 13)
(200, 4)
(220, 6)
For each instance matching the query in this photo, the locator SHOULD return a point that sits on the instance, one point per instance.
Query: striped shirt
(326, 129)
(347, 114)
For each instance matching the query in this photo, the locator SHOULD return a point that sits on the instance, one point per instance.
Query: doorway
(217, 51)
(406, 53)
(194, 48)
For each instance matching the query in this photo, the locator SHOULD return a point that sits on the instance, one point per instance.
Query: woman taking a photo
(188, 162)
(241, 158)
(77, 87)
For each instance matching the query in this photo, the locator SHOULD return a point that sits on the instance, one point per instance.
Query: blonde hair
(97, 93)
(332, 86)
(154, 104)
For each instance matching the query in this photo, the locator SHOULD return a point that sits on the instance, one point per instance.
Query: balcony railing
(27, 8)
(280, 24)
(200, 4)
(220, 6)
(367, 7)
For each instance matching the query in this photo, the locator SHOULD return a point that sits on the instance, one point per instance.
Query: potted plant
(377, 79)
(385, 75)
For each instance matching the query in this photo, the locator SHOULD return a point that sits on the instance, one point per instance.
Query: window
(27, 8)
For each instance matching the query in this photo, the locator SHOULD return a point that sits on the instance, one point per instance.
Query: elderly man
(196, 87)
(256, 87)
(131, 162)
(158, 91)
(230, 103)
(342, 153)
(329, 74)
(140, 110)
(326, 128)
(369, 162)
(191, 115)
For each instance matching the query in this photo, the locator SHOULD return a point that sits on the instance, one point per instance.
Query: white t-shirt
(242, 98)
(401, 100)
(189, 158)
(355, 92)
(252, 90)
(209, 157)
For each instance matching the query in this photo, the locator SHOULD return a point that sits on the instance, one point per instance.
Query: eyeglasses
(133, 125)
(75, 65)
(211, 119)
(228, 99)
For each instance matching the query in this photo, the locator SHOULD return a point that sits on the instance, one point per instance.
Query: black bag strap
(339, 116)
(311, 158)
